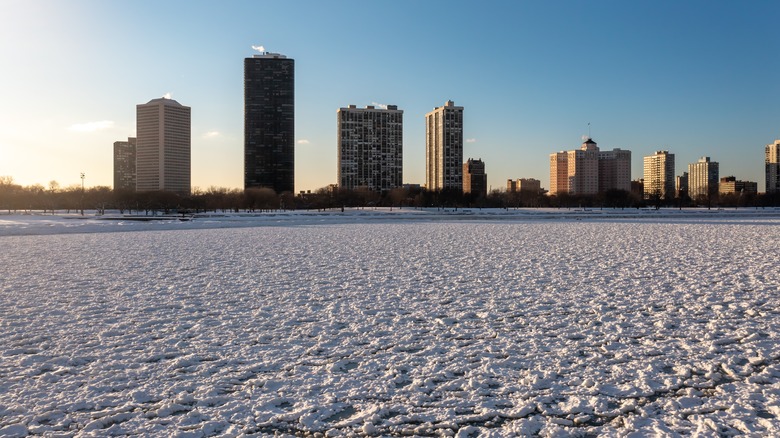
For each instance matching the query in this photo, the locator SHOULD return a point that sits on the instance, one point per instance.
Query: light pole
(82, 193)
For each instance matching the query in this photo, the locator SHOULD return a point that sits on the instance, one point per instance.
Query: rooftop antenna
(589, 137)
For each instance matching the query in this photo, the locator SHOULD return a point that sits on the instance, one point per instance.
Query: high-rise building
(614, 170)
(269, 122)
(659, 179)
(576, 172)
(370, 148)
(124, 164)
(444, 147)
(772, 167)
(559, 173)
(474, 177)
(163, 146)
(703, 178)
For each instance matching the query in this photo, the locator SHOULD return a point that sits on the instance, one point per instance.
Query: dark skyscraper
(124, 164)
(269, 122)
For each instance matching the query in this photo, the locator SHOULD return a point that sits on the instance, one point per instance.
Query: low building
(731, 185)
(524, 185)
(474, 177)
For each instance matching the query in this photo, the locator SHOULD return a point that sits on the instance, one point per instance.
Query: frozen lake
(354, 326)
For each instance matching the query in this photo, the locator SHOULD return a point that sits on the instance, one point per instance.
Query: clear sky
(693, 77)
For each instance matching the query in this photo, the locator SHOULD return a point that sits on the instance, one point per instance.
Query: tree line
(17, 198)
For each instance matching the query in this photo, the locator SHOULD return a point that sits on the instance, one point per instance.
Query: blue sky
(696, 78)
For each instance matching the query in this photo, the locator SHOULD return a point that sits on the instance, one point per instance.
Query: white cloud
(211, 134)
(379, 105)
(92, 126)
(167, 95)
(471, 140)
(303, 141)
(260, 49)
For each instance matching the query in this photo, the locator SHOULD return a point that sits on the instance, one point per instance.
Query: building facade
(659, 178)
(559, 173)
(475, 178)
(529, 185)
(703, 178)
(163, 146)
(124, 164)
(614, 170)
(730, 185)
(444, 147)
(524, 185)
(681, 185)
(772, 167)
(576, 172)
(370, 151)
(269, 122)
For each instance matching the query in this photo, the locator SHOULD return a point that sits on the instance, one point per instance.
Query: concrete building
(772, 167)
(559, 173)
(731, 185)
(370, 148)
(163, 146)
(703, 178)
(269, 122)
(614, 170)
(524, 185)
(681, 185)
(575, 172)
(444, 147)
(475, 178)
(659, 178)
(638, 187)
(124, 164)
(529, 185)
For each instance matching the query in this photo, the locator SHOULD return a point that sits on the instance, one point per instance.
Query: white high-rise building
(163, 146)
(703, 178)
(370, 147)
(659, 175)
(444, 147)
(772, 167)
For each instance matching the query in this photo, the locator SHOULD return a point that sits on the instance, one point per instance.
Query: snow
(375, 323)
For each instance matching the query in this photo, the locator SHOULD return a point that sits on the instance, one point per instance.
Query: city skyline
(696, 79)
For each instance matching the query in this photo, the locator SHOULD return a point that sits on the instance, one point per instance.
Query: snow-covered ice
(373, 324)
